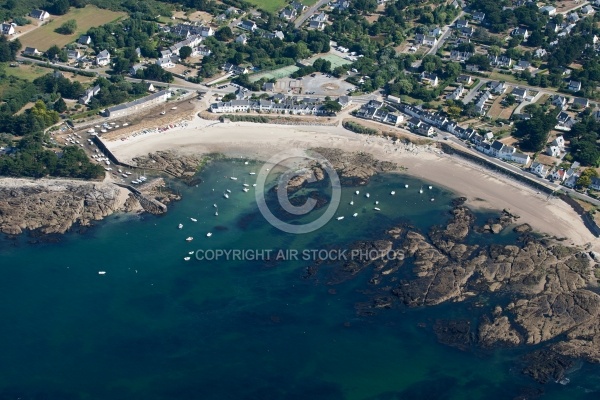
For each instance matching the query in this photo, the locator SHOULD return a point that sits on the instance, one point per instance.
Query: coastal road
(309, 12)
(447, 31)
(473, 92)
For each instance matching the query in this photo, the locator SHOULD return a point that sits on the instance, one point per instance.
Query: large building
(132, 106)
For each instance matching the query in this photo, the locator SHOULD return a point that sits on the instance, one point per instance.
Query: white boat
(101, 272)
(357, 192)
(355, 214)
(254, 185)
(194, 219)
(246, 185)
(189, 239)
(367, 195)
(376, 202)
(214, 205)
(245, 189)
(432, 199)
(180, 226)
(377, 209)
(209, 234)
(228, 191)
(216, 213)
(252, 173)
(233, 178)
(190, 253)
(225, 195)
(351, 202)
(135, 182)
(406, 186)
(421, 190)
(430, 187)
(340, 218)
(186, 258)
(392, 193)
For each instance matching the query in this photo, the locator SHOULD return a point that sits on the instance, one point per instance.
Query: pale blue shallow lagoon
(158, 327)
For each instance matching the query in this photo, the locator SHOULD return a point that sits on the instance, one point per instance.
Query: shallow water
(158, 327)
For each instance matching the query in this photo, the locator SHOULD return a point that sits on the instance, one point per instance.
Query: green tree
(59, 7)
(224, 34)
(494, 50)
(331, 106)
(67, 28)
(185, 52)
(60, 105)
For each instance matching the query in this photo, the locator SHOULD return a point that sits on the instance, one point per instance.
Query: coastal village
(466, 134)
(469, 77)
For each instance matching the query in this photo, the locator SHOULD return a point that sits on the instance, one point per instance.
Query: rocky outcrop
(497, 332)
(53, 206)
(179, 165)
(355, 168)
(548, 290)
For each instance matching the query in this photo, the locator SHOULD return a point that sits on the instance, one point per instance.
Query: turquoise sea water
(158, 327)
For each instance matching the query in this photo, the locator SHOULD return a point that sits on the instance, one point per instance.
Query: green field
(44, 37)
(28, 72)
(276, 5)
(336, 61)
(275, 74)
(269, 5)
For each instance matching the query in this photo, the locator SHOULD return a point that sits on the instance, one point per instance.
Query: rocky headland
(532, 292)
(53, 206)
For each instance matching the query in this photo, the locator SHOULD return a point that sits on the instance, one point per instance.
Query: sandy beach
(483, 188)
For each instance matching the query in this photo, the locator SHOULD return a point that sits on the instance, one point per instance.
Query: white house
(248, 26)
(243, 39)
(84, 40)
(165, 62)
(520, 158)
(587, 10)
(429, 78)
(426, 40)
(31, 51)
(206, 31)
(550, 10)
(103, 58)
(8, 29)
(520, 32)
(553, 151)
(73, 55)
(559, 101)
(478, 16)
(462, 23)
(519, 93)
(40, 15)
(574, 86)
(558, 175)
(288, 14)
(539, 169)
(559, 142)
